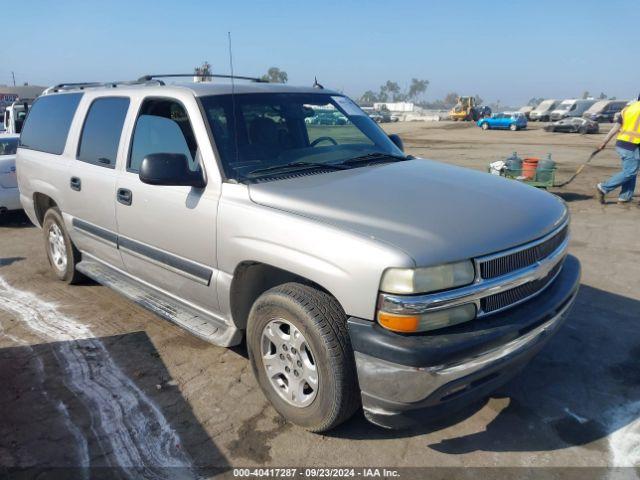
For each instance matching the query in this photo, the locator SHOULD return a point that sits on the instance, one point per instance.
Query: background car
(484, 111)
(605, 110)
(526, 110)
(543, 111)
(571, 108)
(504, 120)
(9, 194)
(573, 125)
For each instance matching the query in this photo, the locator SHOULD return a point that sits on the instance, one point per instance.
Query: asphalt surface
(88, 378)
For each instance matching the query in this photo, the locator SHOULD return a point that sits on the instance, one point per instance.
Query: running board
(205, 326)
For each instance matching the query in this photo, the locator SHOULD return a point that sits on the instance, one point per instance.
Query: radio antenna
(233, 100)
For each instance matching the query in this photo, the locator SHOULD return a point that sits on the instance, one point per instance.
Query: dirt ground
(89, 378)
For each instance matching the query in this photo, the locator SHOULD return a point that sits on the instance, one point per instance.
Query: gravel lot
(88, 378)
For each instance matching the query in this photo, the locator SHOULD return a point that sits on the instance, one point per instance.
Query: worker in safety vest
(627, 129)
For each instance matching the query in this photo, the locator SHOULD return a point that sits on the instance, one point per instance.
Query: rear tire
(61, 253)
(513, 127)
(485, 126)
(324, 391)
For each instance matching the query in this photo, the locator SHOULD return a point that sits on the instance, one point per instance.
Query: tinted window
(48, 122)
(163, 127)
(263, 130)
(101, 131)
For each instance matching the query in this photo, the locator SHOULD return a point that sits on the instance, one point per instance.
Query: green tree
(275, 75)
(417, 88)
(204, 72)
(478, 99)
(585, 94)
(368, 97)
(450, 99)
(602, 96)
(392, 89)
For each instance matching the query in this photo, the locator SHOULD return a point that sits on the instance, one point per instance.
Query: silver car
(358, 276)
(9, 195)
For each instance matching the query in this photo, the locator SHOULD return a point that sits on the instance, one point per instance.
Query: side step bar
(207, 327)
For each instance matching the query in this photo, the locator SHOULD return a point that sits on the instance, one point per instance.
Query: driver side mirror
(395, 138)
(169, 169)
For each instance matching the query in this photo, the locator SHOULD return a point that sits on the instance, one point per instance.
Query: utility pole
(13, 75)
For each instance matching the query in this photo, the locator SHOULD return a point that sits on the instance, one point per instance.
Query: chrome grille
(508, 263)
(506, 299)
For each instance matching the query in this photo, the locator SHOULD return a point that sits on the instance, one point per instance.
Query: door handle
(124, 196)
(75, 183)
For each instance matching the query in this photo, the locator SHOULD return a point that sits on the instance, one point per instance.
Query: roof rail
(148, 78)
(83, 85)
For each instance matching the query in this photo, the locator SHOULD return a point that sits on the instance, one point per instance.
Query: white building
(403, 107)
(8, 94)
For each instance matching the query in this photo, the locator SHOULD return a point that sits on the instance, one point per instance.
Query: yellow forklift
(465, 110)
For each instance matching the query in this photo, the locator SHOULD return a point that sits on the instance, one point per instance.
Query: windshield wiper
(297, 165)
(371, 157)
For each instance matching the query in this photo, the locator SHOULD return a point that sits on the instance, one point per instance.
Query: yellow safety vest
(630, 131)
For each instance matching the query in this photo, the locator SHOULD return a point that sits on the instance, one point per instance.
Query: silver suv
(359, 276)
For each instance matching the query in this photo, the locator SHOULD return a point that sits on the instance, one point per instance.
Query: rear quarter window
(47, 125)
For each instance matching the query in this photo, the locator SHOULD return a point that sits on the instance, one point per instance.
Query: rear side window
(48, 123)
(102, 130)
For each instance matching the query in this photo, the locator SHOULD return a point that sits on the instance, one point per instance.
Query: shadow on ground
(583, 387)
(15, 219)
(99, 403)
(573, 196)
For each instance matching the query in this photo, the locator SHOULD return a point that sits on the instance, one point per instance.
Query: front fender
(346, 264)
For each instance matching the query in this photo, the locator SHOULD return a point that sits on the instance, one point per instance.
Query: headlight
(406, 281)
(427, 321)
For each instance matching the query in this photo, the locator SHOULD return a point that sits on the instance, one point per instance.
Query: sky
(501, 50)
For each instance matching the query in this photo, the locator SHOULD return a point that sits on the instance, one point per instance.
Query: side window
(48, 123)
(102, 130)
(163, 127)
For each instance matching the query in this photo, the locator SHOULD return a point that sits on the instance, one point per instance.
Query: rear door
(167, 234)
(92, 178)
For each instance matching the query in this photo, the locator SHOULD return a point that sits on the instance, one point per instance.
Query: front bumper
(404, 376)
(9, 198)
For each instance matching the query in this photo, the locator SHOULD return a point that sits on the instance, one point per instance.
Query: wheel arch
(41, 203)
(251, 279)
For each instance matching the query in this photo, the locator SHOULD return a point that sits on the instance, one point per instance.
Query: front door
(167, 234)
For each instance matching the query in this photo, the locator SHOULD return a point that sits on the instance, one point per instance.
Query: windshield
(274, 129)
(598, 106)
(8, 146)
(564, 106)
(544, 106)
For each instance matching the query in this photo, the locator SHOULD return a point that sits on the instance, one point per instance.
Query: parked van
(542, 112)
(571, 108)
(604, 110)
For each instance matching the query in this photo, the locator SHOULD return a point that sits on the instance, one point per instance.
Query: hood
(434, 212)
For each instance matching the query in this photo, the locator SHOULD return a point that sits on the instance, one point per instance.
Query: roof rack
(148, 78)
(83, 85)
(145, 79)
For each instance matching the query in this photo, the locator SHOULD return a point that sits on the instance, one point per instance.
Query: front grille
(502, 300)
(497, 267)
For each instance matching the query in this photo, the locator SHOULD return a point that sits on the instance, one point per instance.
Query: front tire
(513, 127)
(61, 253)
(302, 357)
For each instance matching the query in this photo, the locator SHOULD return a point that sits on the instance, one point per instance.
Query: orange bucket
(529, 166)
